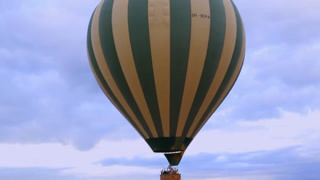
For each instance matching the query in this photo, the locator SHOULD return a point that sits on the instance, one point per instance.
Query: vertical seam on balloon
(121, 36)
(215, 47)
(107, 91)
(95, 35)
(93, 63)
(160, 53)
(223, 91)
(140, 44)
(231, 83)
(131, 119)
(225, 60)
(200, 31)
(90, 53)
(103, 84)
(180, 27)
(109, 51)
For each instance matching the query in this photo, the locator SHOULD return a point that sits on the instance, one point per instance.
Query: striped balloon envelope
(166, 64)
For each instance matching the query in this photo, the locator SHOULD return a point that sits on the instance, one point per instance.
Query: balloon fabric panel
(166, 64)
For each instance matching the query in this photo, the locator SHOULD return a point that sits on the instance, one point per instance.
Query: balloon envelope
(166, 64)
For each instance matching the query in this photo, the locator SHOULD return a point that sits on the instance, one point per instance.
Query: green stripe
(180, 32)
(214, 52)
(102, 81)
(107, 43)
(140, 44)
(230, 72)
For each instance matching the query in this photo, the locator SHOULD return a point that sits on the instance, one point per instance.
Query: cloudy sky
(56, 124)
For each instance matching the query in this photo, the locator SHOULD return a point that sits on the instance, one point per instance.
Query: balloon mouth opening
(171, 152)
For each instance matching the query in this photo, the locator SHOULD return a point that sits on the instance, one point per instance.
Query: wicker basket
(170, 177)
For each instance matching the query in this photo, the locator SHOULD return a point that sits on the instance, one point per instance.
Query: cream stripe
(229, 86)
(121, 36)
(93, 70)
(227, 52)
(200, 31)
(98, 52)
(159, 29)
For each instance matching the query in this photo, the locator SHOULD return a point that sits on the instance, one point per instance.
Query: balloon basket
(170, 174)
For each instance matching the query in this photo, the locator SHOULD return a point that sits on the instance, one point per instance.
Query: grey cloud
(280, 72)
(269, 22)
(49, 92)
(278, 79)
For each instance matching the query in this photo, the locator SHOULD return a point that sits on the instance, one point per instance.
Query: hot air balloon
(166, 65)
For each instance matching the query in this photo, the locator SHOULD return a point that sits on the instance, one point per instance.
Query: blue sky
(55, 122)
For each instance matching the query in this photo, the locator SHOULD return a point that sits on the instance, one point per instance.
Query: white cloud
(55, 155)
(75, 162)
(291, 129)
(107, 171)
